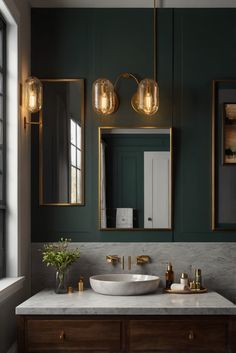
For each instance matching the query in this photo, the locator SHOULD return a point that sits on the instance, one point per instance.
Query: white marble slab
(216, 260)
(90, 303)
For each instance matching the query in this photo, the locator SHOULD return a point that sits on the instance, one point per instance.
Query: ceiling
(134, 3)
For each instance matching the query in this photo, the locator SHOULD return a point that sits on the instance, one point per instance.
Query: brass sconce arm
(143, 259)
(31, 123)
(125, 75)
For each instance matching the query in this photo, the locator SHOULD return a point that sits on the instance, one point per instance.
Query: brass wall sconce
(33, 98)
(144, 101)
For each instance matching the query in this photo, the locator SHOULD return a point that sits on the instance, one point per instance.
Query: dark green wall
(125, 172)
(195, 46)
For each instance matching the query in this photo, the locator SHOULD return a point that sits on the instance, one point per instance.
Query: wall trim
(134, 3)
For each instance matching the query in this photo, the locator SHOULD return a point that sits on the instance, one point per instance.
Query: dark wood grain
(74, 334)
(126, 334)
(182, 335)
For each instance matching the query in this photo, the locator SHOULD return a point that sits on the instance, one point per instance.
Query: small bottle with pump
(81, 284)
(198, 278)
(169, 276)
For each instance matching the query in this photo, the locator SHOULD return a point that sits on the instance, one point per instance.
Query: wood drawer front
(177, 336)
(79, 335)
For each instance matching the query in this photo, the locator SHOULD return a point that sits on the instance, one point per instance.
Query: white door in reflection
(75, 162)
(157, 190)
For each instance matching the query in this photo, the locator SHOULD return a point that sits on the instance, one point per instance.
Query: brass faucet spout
(143, 259)
(114, 259)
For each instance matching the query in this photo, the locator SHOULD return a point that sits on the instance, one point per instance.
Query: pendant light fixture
(144, 101)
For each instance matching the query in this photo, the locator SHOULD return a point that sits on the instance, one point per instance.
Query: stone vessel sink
(124, 284)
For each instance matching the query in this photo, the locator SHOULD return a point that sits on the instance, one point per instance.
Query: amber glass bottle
(169, 276)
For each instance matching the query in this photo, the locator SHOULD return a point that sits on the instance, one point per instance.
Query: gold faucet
(143, 259)
(112, 259)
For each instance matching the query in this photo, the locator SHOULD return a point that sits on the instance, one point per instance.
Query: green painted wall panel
(205, 49)
(90, 43)
(195, 46)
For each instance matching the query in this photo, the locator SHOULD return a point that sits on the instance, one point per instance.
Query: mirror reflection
(62, 142)
(135, 178)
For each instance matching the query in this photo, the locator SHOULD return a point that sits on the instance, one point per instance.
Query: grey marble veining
(159, 303)
(217, 261)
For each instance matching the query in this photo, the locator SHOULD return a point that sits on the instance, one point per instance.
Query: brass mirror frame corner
(214, 226)
(100, 128)
(82, 203)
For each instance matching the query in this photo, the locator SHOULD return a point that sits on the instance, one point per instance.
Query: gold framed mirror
(61, 143)
(135, 178)
(223, 155)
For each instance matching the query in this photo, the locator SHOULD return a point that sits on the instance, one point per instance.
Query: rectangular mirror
(224, 155)
(61, 141)
(135, 178)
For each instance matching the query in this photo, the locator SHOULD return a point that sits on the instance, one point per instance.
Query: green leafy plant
(59, 255)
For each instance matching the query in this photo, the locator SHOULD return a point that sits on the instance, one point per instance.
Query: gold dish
(186, 291)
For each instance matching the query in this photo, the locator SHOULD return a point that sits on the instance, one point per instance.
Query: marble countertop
(88, 302)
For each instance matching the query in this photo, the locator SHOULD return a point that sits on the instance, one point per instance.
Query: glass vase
(61, 282)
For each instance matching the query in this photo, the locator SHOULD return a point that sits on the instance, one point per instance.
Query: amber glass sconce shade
(146, 99)
(104, 98)
(33, 94)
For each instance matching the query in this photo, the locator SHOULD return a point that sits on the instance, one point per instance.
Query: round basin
(124, 284)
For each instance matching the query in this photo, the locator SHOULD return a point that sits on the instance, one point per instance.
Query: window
(75, 161)
(2, 142)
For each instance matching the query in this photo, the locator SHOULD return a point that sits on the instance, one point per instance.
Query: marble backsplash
(216, 260)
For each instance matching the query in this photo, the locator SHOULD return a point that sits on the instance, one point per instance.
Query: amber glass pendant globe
(146, 99)
(33, 94)
(104, 98)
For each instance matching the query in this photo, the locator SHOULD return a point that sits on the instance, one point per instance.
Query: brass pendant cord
(154, 42)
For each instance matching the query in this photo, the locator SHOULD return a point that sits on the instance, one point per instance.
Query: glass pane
(1, 83)
(1, 187)
(78, 144)
(1, 161)
(1, 108)
(73, 155)
(1, 132)
(1, 49)
(72, 132)
(73, 185)
(2, 214)
(79, 186)
(78, 159)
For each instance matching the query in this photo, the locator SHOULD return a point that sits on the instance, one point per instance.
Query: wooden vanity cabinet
(126, 334)
(69, 334)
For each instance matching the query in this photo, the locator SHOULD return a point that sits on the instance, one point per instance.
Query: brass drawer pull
(191, 335)
(62, 336)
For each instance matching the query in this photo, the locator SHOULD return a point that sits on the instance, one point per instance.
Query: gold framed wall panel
(223, 92)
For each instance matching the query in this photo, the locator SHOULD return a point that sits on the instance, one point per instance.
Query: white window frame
(13, 281)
